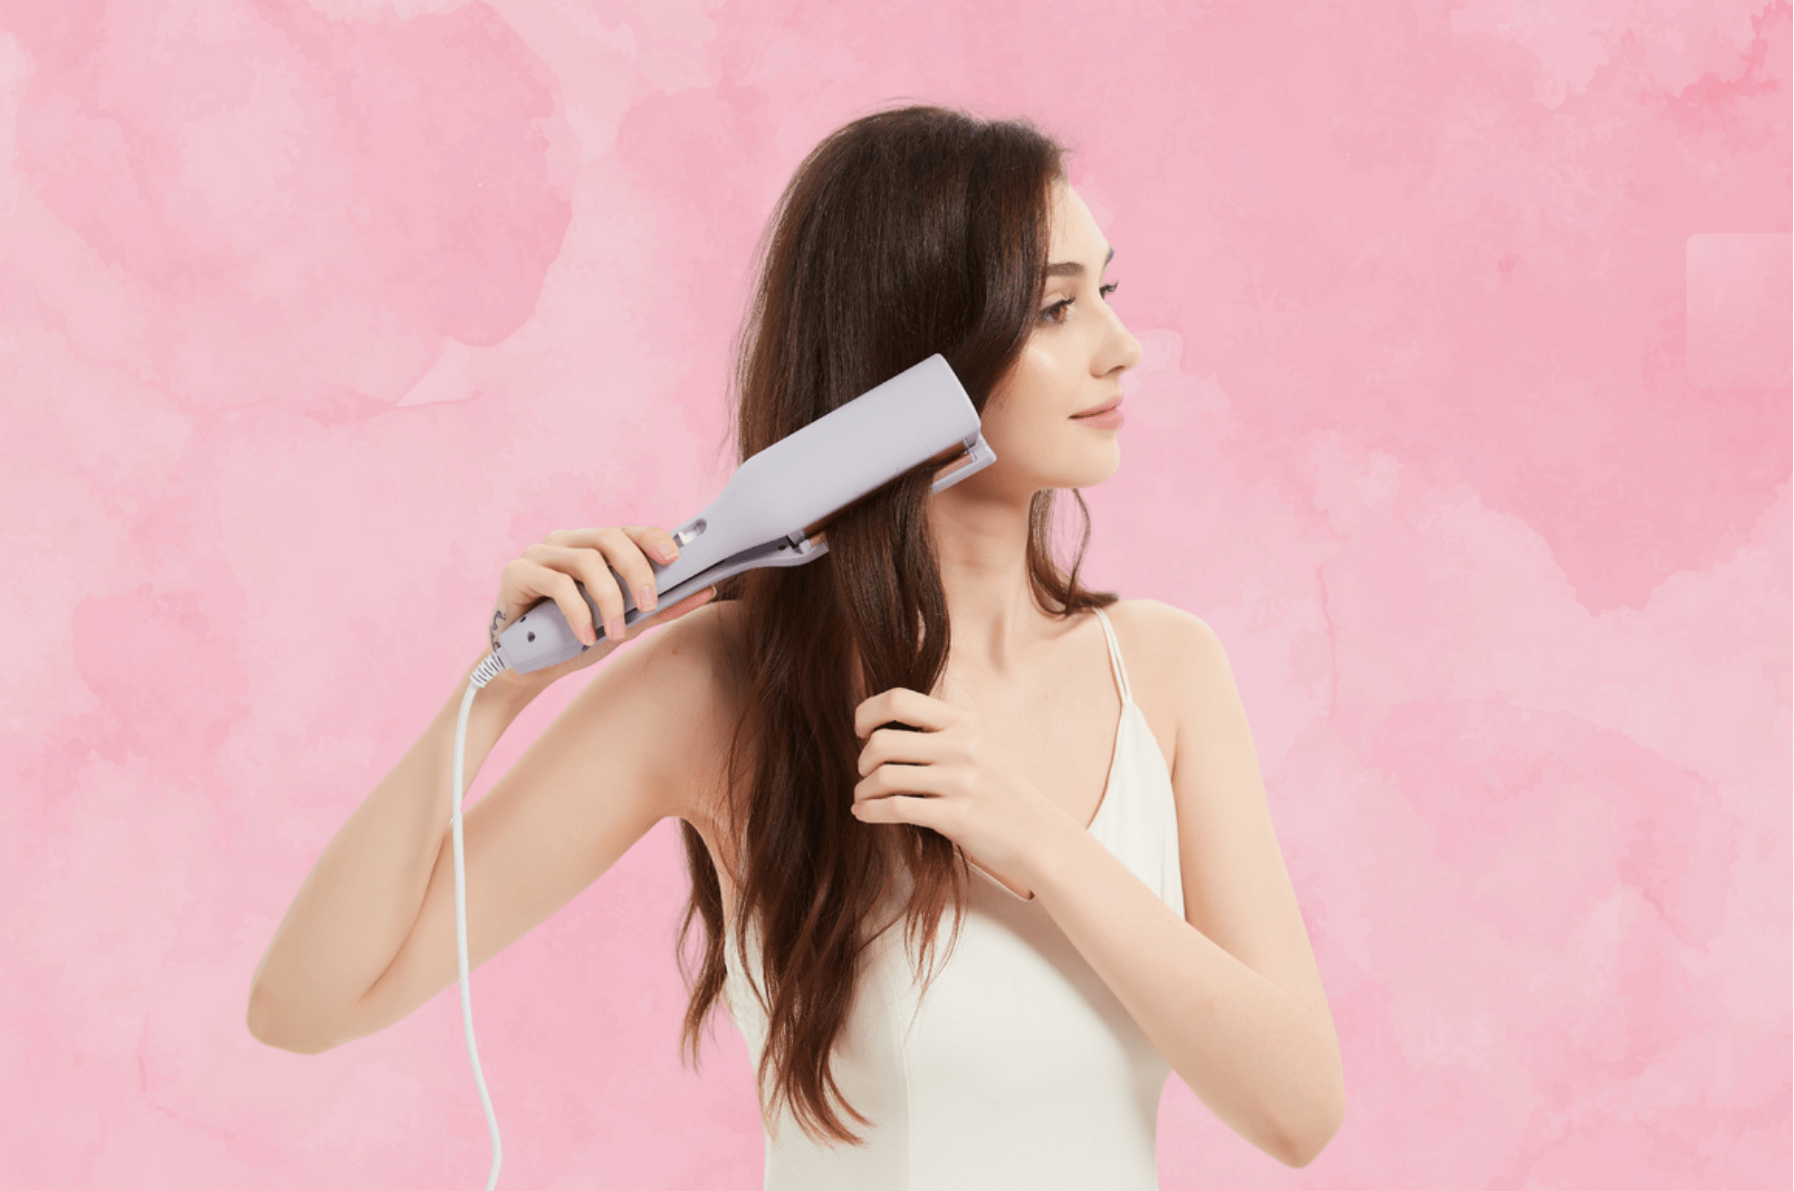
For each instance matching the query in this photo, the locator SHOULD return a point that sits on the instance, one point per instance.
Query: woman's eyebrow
(1074, 268)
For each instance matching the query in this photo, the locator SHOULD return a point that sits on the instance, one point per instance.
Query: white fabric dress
(1019, 1068)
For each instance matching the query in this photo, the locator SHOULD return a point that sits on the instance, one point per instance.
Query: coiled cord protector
(485, 672)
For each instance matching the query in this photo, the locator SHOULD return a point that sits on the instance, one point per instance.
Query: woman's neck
(982, 544)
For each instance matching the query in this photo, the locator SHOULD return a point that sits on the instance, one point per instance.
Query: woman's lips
(1106, 416)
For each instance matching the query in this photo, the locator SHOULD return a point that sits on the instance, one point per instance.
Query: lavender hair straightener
(773, 509)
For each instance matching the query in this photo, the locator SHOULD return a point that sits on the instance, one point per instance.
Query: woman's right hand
(550, 568)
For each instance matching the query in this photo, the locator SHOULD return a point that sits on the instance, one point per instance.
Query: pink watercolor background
(1464, 420)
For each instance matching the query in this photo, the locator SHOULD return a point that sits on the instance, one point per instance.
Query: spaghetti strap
(1115, 656)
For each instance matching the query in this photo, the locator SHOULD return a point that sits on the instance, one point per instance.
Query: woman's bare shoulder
(1156, 625)
(1169, 641)
(1160, 643)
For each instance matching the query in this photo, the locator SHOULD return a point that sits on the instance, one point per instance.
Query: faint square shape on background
(1740, 309)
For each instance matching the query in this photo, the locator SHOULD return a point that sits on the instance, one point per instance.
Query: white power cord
(484, 673)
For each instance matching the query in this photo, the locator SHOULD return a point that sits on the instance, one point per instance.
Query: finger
(541, 580)
(887, 781)
(526, 584)
(655, 542)
(631, 550)
(673, 611)
(923, 812)
(658, 544)
(903, 705)
(660, 548)
(627, 559)
(900, 746)
(588, 566)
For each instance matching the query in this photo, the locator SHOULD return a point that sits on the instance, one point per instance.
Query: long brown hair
(905, 233)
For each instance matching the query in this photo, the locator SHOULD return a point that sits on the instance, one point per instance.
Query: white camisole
(1019, 1068)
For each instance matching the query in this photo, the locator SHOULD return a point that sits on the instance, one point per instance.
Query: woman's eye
(1057, 311)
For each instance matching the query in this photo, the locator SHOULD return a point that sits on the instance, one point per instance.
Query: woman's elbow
(268, 1026)
(1304, 1151)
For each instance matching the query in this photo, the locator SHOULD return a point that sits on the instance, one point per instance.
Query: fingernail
(588, 635)
(613, 628)
(645, 598)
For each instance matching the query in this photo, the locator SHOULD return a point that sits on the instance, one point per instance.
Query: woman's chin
(1097, 472)
(1086, 479)
(1079, 473)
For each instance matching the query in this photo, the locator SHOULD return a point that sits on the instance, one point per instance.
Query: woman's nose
(1134, 351)
(1121, 350)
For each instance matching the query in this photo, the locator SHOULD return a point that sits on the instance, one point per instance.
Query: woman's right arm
(370, 935)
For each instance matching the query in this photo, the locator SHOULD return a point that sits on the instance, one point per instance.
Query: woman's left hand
(948, 777)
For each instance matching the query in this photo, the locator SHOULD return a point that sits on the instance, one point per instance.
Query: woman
(963, 954)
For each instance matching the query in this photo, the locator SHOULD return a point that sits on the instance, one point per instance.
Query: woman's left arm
(1230, 994)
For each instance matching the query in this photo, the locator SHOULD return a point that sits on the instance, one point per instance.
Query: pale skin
(1010, 763)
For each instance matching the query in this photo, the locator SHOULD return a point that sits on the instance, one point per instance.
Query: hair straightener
(777, 504)
(773, 512)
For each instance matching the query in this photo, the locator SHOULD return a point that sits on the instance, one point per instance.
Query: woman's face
(1071, 364)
